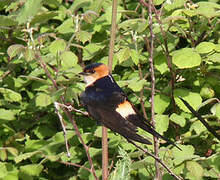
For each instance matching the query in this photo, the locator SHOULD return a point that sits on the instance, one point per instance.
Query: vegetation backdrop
(45, 44)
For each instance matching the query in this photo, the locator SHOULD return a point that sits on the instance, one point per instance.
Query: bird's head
(93, 72)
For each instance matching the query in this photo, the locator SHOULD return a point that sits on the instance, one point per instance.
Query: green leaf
(214, 57)
(80, 4)
(217, 110)
(194, 99)
(138, 25)
(198, 127)
(3, 170)
(187, 153)
(207, 92)
(208, 9)
(86, 138)
(5, 3)
(161, 103)
(90, 50)
(158, 2)
(57, 46)
(160, 62)
(83, 36)
(10, 95)
(7, 115)
(205, 47)
(136, 85)
(12, 150)
(162, 123)
(195, 169)
(29, 10)
(68, 60)
(217, 47)
(57, 94)
(108, 14)
(59, 138)
(3, 154)
(123, 54)
(43, 100)
(204, 103)
(89, 15)
(98, 132)
(32, 169)
(15, 49)
(66, 27)
(29, 54)
(170, 5)
(43, 17)
(71, 95)
(186, 58)
(123, 166)
(25, 156)
(7, 21)
(178, 119)
(44, 131)
(135, 56)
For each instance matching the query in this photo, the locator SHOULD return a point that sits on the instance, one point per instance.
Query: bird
(107, 103)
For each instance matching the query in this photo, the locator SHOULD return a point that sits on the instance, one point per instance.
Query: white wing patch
(125, 109)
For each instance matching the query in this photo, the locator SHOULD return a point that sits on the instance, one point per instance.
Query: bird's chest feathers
(89, 80)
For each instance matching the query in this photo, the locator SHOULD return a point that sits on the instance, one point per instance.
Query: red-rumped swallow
(106, 102)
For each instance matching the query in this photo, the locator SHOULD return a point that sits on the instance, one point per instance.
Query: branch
(57, 107)
(113, 33)
(151, 52)
(169, 62)
(134, 37)
(110, 62)
(70, 117)
(142, 94)
(157, 160)
(74, 164)
(71, 108)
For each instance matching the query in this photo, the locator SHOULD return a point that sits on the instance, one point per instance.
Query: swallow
(107, 103)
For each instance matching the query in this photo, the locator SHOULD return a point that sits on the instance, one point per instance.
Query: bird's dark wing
(103, 110)
(114, 121)
(126, 110)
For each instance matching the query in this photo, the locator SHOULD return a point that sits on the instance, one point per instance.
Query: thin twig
(74, 164)
(142, 93)
(71, 108)
(110, 62)
(5, 74)
(158, 160)
(134, 37)
(169, 62)
(44, 66)
(57, 107)
(158, 91)
(113, 34)
(156, 143)
(70, 117)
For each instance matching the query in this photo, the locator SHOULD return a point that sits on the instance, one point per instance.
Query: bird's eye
(92, 71)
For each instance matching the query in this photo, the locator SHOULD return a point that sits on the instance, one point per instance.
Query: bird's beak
(82, 73)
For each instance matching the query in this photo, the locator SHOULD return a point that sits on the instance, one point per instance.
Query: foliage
(66, 35)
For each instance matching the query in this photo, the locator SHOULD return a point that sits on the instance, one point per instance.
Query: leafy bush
(45, 44)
